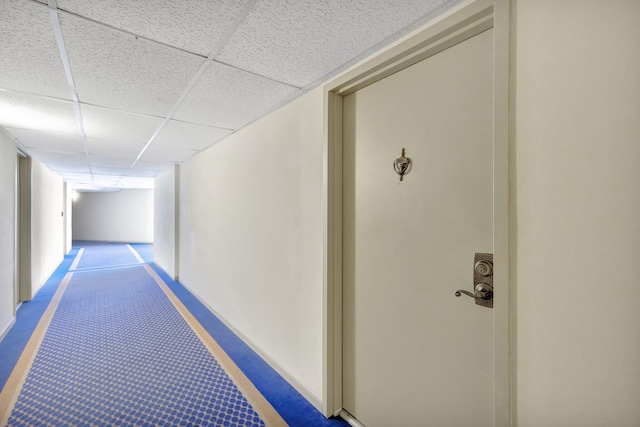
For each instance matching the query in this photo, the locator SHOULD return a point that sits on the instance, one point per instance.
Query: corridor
(114, 341)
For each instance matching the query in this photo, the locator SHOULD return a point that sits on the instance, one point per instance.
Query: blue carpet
(293, 408)
(118, 352)
(145, 250)
(290, 404)
(27, 319)
(108, 255)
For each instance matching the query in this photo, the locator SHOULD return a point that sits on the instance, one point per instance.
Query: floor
(110, 339)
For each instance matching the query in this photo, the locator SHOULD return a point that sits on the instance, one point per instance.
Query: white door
(413, 353)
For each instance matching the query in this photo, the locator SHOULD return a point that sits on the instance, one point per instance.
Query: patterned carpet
(106, 256)
(117, 347)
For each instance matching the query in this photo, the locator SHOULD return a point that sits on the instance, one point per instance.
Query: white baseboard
(300, 387)
(7, 328)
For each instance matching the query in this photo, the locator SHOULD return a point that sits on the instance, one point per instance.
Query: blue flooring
(27, 319)
(290, 404)
(294, 408)
(117, 352)
(108, 255)
(145, 250)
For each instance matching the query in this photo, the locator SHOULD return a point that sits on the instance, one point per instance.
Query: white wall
(251, 236)
(7, 230)
(47, 224)
(68, 212)
(118, 216)
(47, 233)
(577, 163)
(251, 220)
(164, 233)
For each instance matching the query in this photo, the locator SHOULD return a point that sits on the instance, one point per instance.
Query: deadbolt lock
(484, 268)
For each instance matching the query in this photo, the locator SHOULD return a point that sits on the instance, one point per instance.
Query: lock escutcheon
(482, 280)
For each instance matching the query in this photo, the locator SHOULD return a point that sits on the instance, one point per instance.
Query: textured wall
(7, 229)
(68, 228)
(251, 236)
(47, 224)
(577, 166)
(164, 221)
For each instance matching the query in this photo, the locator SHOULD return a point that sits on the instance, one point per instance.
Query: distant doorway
(23, 230)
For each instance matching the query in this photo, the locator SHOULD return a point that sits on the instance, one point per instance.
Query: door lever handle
(460, 292)
(482, 291)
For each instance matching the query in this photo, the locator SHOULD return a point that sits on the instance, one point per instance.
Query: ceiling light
(28, 117)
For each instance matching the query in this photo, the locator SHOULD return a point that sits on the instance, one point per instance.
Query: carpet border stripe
(136, 254)
(76, 261)
(12, 387)
(260, 404)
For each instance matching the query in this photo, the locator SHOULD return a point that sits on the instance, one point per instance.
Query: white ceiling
(111, 93)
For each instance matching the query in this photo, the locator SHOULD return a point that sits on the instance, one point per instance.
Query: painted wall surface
(118, 216)
(164, 229)
(47, 224)
(7, 230)
(68, 215)
(251, 236)
(577, 162)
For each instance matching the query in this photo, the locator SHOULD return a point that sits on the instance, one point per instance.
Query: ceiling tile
(105, 180)
(47, 157)
(128, 84)
(48, 141)
(117, 70)
(99, 170)
(110, 162)
(299, 42)
(193, 25)
(89, 187)
(82, 185)
(147, 171)
(136, 182)
(37, 113)
(145, 168)
(227, 97)
(166, 154)
(192, 136)
(120, 126)
(29, 56)
(110, 148)
(71, 170)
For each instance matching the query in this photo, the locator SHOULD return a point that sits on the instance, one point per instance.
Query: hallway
(112, 340)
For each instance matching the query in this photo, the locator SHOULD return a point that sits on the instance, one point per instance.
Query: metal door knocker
(401, 165)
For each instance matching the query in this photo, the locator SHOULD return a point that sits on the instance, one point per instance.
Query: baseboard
(7, 328)
(300, 387)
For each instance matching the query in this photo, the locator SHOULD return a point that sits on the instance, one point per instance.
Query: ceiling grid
(196, 77)
(57, 31)
(112, 93)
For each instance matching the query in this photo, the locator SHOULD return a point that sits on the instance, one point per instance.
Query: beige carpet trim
(76, 261)
(268, 414)
(136, 254)
(12, 388)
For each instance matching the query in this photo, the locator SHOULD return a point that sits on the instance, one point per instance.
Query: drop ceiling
(111, 93)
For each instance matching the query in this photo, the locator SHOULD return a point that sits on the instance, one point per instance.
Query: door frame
(461, 23)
